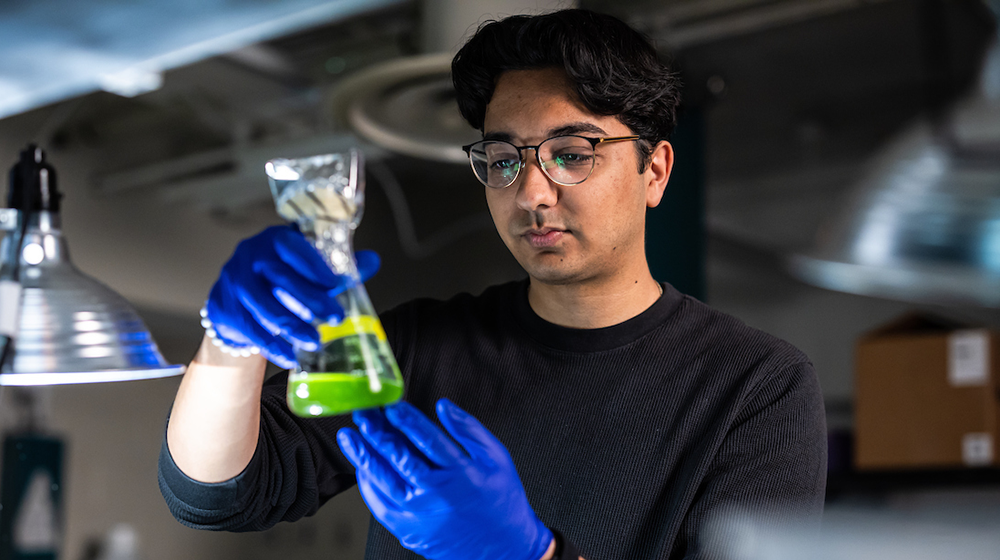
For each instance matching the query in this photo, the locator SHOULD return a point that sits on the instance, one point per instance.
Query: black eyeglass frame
(521, 162)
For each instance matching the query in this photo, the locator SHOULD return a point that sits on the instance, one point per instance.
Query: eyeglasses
(566, 160)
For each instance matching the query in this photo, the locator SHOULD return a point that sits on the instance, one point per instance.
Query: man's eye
(572, 159)
(504, 164)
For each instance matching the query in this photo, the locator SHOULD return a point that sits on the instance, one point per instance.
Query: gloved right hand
(271, 291)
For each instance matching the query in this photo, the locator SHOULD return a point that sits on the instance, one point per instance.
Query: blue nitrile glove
(255, 301)
(440, 500)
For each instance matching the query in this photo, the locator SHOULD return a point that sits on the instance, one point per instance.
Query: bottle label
(969, 358)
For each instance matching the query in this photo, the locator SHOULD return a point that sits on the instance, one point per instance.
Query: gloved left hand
(440, 500)
(246, 306)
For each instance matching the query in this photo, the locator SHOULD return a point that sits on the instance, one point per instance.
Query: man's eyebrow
(577, 128)
(502, 136)
(572, 128)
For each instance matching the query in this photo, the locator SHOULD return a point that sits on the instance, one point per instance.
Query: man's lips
(543, 237)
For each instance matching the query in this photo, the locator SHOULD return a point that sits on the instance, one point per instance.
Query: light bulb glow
(280, 172)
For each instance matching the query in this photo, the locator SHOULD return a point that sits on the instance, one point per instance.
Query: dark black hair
(614, 68)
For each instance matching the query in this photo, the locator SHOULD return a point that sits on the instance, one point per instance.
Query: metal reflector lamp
(57, 324)
(924, 225)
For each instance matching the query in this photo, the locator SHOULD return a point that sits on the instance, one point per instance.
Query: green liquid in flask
(326, 394)
(353, 370)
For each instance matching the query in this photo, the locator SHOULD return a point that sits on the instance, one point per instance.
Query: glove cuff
(539, 538)
(565, 550)
(222, 344)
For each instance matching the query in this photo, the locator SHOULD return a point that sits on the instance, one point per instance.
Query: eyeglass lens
(567, 160)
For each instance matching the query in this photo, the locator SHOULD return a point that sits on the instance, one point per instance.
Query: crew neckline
(591, 340)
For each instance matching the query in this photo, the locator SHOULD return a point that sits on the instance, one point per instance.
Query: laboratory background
(837, 184)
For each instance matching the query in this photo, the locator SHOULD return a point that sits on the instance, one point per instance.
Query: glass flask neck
(335, 241)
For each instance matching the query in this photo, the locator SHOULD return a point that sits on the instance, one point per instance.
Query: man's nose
(534, 188)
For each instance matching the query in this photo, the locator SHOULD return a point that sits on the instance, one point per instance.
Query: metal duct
(924, 225)
(408, 105)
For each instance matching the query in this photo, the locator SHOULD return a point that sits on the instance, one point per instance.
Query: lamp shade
(72, 328)
(923, 226)
(69, 327)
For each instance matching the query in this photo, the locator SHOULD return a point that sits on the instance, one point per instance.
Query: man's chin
(554, 275)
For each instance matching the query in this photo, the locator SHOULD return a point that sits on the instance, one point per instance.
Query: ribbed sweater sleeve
(296, 467)
(771, 464)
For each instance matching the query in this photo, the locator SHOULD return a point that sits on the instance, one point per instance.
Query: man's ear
(658, 172)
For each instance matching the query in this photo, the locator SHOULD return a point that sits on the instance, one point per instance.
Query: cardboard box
(926, 396)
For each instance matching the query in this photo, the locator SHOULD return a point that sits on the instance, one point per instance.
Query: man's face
(565, 234)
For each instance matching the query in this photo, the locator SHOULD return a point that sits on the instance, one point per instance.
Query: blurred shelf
(879, 483)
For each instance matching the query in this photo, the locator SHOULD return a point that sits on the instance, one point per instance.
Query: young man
(603, 414)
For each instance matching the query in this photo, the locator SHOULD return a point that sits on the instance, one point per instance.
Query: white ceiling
(57, 49)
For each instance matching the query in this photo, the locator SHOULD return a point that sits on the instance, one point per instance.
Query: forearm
(215, 420)
(551, 552)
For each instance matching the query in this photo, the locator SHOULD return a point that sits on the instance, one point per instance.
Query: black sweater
(627, 438)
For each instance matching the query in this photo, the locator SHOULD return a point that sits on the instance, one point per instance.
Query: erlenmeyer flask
(354, 367)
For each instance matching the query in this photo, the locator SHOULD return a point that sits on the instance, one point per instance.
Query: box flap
(915, 323)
